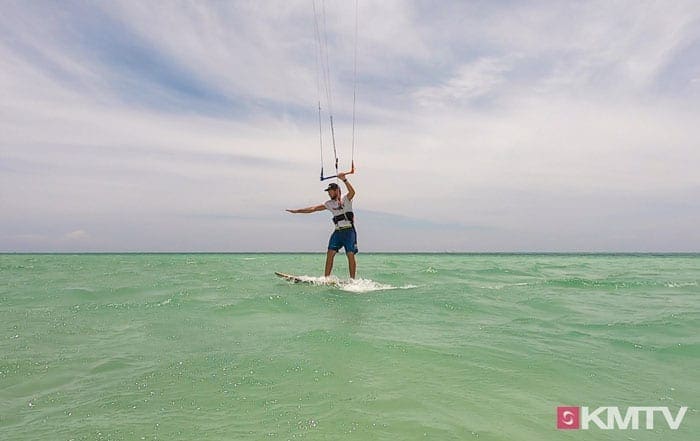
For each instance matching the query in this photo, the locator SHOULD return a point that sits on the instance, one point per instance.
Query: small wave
(330, 280)
(504, 285)
(680, 284)
(352, 285)
(367, 285)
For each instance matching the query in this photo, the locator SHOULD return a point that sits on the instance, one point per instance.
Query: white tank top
(332, 205)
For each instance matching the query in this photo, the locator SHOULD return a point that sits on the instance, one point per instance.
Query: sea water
(421, 346)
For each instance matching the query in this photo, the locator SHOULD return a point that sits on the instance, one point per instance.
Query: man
(344, 235)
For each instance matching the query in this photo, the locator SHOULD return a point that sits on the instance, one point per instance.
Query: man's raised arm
(351, 189)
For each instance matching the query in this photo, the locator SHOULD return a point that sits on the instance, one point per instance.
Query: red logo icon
(568, 417)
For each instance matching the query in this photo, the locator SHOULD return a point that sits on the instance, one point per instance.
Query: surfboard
(298, 279)
(290, 277)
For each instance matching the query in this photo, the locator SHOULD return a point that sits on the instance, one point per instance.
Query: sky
(481, 126)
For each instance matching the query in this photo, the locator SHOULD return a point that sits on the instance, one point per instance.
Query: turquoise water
(441, 347)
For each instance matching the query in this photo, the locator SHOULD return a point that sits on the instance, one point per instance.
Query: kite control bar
(352, 171)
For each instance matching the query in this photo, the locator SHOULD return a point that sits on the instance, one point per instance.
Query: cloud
(75, 236)
(470, 81)
(527, 118)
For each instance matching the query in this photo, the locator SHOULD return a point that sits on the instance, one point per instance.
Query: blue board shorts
(346, 238)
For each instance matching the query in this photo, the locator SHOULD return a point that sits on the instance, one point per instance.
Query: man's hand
(341, 176)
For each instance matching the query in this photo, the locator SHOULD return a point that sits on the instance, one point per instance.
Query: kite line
(323, 82)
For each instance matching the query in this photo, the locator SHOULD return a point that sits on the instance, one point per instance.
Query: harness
(348, 216)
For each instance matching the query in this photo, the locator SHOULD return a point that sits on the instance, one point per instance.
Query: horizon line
(630, 253)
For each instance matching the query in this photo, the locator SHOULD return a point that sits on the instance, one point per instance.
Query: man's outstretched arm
(308, 209)
(351, 189)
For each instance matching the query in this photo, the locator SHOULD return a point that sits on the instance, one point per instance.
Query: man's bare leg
(352, 265)
(329, 262)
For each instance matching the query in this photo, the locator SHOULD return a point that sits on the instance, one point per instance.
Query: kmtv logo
(610, 417)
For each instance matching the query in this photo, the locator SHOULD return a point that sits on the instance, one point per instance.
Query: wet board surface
(300, 279)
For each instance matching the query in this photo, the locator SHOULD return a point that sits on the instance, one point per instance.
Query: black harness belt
(348, 216)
